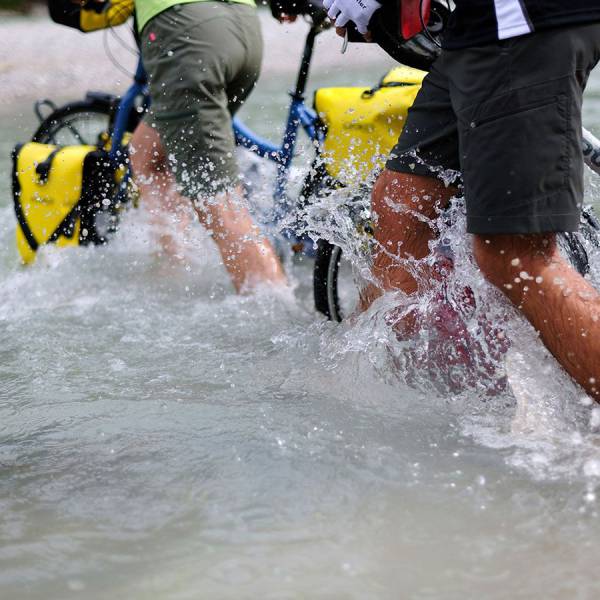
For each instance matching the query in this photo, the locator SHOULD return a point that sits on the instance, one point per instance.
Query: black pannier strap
(43, 168)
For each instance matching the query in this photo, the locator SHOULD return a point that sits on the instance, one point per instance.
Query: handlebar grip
(317, 13)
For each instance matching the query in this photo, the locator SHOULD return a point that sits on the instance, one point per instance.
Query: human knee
(502, 257)
(147, 155)
(396, 192)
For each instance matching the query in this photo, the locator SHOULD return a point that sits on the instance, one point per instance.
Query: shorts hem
(414, 167)
(554, 223)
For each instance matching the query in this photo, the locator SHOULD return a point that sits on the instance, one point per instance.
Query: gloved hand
(357, 11)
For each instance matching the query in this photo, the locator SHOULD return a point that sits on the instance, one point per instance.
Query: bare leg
(158, 188)
(560, 304)
(247, 254)
(404, 206)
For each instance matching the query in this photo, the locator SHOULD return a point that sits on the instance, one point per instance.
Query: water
(163, 438)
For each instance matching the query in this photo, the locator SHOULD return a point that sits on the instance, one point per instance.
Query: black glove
(290, 8)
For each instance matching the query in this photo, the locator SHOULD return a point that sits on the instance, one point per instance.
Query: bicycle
(108, 120)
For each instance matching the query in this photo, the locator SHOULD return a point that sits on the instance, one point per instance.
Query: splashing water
(163, 438)
(470, 343)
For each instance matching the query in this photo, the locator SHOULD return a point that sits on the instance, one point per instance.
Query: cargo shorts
(507, 116)
(202, 59)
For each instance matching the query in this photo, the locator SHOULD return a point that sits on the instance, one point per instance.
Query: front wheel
(335, 292)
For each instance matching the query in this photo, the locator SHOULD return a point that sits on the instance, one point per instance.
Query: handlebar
(319, 22)
(318, 17)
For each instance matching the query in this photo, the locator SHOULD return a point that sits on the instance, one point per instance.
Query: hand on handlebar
(288, 11)
(352, 34)
(358, 12)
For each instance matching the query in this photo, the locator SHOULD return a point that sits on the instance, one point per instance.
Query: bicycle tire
(52, 130)
(325, 280)
(328, 259)
(326, 265)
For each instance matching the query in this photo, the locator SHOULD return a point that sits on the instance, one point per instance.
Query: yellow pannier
(57, 194)
(90, 15)
(117, 12)
(363, 124)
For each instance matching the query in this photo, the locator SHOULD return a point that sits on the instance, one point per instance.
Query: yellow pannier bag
(57, 193)
(89, 15)
(363, 124)
(116, 13)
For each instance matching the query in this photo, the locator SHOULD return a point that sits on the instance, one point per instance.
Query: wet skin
(247, 255)
(560, 304)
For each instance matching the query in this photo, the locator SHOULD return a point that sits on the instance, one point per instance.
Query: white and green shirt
(147, 9)
(477, 22)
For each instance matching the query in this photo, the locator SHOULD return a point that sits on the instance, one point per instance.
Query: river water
(163, 438)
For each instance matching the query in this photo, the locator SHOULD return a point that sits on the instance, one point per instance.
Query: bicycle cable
(113, 59)
(110, 30)
(125, 45)
(426, 27)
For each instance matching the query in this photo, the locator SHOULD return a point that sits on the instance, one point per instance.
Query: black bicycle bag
(91, 15)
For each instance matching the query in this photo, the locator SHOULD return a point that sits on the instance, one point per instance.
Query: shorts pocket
(522, 112)
(511, 156)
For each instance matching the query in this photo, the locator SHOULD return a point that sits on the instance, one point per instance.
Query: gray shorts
(508, 117)
(203, 59)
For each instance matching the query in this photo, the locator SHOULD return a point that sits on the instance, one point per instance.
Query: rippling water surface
(163, 438)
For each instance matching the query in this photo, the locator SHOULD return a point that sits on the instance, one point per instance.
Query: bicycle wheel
(572, 244)
(331, 280)
(326, 275)
(76, 123)
(335, 291)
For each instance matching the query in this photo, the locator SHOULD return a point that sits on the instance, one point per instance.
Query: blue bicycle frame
(299, 116)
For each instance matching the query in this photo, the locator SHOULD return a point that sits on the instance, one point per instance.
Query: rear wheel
(76, 123)
(335, 295)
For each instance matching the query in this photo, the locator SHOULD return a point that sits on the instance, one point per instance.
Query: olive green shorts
(202, 59)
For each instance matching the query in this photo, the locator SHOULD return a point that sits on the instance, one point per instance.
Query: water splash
(471, 346)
